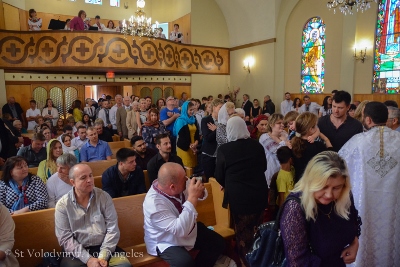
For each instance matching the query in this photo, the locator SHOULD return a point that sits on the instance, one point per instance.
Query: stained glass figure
(95, 2)
(386, 77)
(114, 3)
(313, 56)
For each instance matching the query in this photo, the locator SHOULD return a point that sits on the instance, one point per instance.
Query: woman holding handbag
(322, 229)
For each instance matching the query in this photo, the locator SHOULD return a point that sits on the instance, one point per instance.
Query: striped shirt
(80, 227)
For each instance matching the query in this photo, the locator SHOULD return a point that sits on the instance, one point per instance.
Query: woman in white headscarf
(240, 168)
(224, 113)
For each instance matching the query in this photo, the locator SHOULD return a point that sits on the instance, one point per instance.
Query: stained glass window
(313, 56)
(387, 51)
(95, 2)
(114, 3)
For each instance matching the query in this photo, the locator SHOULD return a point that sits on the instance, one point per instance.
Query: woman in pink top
(76, 23)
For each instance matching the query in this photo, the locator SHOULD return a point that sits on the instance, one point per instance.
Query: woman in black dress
(240, 168)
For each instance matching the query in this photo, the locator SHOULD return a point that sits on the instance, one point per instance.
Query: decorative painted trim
(78, 51)
(47, 77)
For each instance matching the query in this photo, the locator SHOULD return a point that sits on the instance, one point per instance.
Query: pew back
(98, 167)
(35, 231)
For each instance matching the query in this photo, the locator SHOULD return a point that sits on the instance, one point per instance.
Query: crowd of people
(338, 164)
(83, 23)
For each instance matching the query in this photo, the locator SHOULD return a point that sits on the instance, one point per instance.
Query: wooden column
(2, 22)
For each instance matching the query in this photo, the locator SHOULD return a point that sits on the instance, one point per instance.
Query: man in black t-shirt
(339, 127)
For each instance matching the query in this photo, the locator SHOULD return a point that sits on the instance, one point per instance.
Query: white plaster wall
(205, 85)
(260, 81)
(249, 21)
(208, 24)
(17, 3)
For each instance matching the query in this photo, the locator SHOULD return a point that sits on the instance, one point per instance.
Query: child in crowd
(304, 144)
(39, 121)
(290, 121)
(285, 178)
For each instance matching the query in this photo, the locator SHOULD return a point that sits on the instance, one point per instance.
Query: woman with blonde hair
(358, 114)
(48, 166)
(303, 150)
(310, 225)
(274, 138)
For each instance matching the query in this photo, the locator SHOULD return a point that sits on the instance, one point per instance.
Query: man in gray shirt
(87, 224)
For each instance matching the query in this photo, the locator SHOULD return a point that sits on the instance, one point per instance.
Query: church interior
(229, 47)
(260, 43)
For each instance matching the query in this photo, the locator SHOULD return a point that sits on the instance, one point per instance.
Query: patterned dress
(36, 194)
(149, 133)
(270, 148)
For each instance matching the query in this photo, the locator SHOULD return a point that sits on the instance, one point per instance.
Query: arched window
(313, 56)
(386, 64)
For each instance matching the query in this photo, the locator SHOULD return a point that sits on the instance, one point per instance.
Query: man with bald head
(87, 224)
(121, 118)
(170, 220)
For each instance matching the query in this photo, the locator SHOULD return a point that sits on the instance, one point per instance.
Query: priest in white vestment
(373, 159)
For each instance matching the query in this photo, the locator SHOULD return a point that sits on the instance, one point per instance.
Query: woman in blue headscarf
(187, 132)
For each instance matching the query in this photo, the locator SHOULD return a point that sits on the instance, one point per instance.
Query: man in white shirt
(309, 106)
(98, 24)
(58, 184)
(81, 139)
(113, 113)
(32, 114)
(286, 104)
(170, 220)
(104, 114)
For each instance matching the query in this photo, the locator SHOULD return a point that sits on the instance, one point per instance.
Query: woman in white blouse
(50, 112)
(34, 23)
(176, 35)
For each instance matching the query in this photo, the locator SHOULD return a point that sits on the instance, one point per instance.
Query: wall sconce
(126, 5)
(362, 55)
(248, 62)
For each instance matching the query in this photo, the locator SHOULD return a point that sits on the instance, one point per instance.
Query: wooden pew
(98, 182)
(34, 231)
(98, 167)
(115, 146)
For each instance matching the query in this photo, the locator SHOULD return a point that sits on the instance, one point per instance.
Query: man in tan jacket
(121, 117)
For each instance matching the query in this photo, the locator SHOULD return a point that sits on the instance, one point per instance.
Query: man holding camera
(170, 220)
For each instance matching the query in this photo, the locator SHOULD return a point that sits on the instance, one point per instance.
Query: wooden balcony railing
(103, 51)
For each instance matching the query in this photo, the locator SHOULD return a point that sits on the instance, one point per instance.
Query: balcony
(99, 52)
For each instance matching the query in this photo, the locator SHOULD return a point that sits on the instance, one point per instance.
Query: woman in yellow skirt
(186, 131)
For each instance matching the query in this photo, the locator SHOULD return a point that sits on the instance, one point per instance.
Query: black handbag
(267, 249)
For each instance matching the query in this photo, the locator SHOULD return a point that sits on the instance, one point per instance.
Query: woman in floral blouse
(20, 191)
(152, 127)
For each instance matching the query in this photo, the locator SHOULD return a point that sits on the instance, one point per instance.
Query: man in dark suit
(269, 106)
(7, 142)
(15, 110)
(247, 105)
